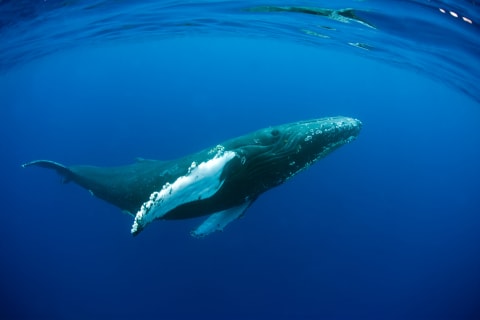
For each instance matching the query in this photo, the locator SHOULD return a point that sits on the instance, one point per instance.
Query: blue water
(384, 228)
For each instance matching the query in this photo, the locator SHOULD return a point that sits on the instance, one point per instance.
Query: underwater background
(386, 227)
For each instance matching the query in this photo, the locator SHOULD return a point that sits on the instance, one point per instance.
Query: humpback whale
(221, 182)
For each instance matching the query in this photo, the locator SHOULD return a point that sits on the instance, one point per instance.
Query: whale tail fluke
(66, 173)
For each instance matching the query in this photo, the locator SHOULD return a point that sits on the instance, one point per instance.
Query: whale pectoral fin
(218, 220)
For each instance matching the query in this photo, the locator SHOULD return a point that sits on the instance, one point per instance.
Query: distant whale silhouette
(222, 181)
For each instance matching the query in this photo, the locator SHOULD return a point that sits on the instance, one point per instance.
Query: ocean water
(386, 227)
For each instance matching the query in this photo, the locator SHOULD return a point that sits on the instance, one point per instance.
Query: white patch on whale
(201, 181)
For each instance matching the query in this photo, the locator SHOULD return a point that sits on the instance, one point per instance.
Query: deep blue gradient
(384, 228)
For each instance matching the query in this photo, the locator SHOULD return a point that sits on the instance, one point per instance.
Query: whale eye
(275, 132)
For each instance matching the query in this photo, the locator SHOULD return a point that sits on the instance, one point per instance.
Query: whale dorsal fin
(140, 159)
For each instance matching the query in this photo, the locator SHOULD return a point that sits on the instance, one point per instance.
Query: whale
(220, 182)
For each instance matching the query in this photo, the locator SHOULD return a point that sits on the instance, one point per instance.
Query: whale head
(303, 143)
(273, 155)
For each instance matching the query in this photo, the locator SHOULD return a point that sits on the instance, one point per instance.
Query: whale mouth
(315, 139)
(299, 145)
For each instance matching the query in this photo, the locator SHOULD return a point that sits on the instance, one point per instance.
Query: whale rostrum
(221, 182)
